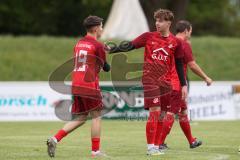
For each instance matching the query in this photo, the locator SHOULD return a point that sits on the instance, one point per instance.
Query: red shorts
(177, 104)
(157, 88)
(86, 97)
(156, 96)
(162, 101)
(83, 105)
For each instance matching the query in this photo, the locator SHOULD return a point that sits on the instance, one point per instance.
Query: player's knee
(95, 114)
(184, 112)
(96, 119)
(81, 119)
(163, 113)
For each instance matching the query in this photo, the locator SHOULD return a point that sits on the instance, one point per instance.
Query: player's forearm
(125, 46)
(180, 71)
(197, 70)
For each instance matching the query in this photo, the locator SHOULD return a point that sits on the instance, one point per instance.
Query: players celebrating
(89, 58)
(166, 58)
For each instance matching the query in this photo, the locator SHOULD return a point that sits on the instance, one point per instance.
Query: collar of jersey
(90, 37)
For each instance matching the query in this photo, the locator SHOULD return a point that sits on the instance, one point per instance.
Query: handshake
(124, 46)
(111, 47)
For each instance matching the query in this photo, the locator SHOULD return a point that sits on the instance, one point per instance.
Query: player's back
(89, 56)
(188, 55)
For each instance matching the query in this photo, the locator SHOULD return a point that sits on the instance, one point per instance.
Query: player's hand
(107, 48)
(106, 67)
(184, 92)
(208, 81)
(110, 47)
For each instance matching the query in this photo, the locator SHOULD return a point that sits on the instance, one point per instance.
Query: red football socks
(95, 144)
(166, 128)
(185, 125)
(60, 134)
(151, 126)
(158, 132)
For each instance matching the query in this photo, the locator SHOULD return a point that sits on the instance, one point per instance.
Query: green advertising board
(123, 101)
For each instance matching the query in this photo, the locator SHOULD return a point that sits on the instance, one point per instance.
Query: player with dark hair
(184, 31)
(162, 75)
(89, 58)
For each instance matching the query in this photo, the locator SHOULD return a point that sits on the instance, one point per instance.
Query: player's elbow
(192, 65)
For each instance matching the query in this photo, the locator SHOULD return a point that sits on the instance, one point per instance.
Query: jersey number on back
(80, 61)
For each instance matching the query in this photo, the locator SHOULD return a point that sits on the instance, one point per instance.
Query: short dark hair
(182, 25)
(92, 21)
(164, 14)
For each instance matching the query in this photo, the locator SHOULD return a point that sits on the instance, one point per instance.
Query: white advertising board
(33, 101)
(26, 101)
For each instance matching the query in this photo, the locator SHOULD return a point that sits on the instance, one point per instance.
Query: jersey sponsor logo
(161, 49)
(159, 57)
(160, 54)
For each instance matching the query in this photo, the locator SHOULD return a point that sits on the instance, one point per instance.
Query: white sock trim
(156, 147)
(95, 152)
(55, 139)
(150, 146)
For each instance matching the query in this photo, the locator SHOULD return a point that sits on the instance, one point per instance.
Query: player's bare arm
(198, 71)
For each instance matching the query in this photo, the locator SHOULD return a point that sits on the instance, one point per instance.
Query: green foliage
(214, 17)
(64, 17)
(53, 17)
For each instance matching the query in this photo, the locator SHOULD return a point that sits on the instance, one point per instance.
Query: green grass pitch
(121, 140)
(28, 58)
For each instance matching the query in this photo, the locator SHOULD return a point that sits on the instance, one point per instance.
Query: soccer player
(184, 31)
(162, 63)
(89, 58)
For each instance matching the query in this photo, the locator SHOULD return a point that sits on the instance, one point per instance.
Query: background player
(184, 31)
(89, 58)
(162, 51)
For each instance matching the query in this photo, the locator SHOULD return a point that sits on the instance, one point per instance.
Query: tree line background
(64, 17)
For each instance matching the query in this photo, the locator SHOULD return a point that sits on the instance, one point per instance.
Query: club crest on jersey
(170, 46)
(155, 100)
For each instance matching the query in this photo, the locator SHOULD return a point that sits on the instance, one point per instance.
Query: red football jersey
(188, 55)
(159, 56)
(89, 57)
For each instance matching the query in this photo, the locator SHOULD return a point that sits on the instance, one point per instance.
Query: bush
(52, 17)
